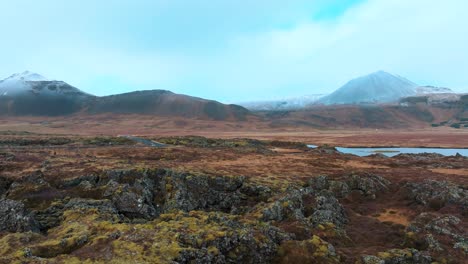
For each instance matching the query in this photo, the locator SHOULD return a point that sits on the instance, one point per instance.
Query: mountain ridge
(30, 93)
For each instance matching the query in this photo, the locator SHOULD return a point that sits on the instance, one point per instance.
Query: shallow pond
(390, 152)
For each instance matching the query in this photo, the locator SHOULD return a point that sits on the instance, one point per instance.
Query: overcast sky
(234, 50)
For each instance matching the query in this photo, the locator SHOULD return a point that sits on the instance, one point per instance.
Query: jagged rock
(259, 192)
(463, 246)
(53, 215)
(397, 256)
(86, 185)
(103, 206)
(320, 208)
(202, 192)
(367, 184)
(15, 218)
(50, 217)
(320, 183)
(436, 194)
(328, 210)
(4, 185)
(146, 194)
(240, 246)
(430, 228)
(339, 188)
(289, 206)
(91, 179)
(133, 201)
(432, 243)
(33, 190)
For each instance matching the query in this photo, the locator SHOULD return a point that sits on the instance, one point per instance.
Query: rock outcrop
(437, 194)
(14, 217)
(4, 185)
(308, 207)
(437, 233)
(367, 184)
(397, 256)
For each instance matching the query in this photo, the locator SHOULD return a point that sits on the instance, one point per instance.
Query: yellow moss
(321, 251)
(316, 241)
(213, 250)
(384, 255)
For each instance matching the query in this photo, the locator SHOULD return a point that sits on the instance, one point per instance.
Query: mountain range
(376, 88)
(30, 93)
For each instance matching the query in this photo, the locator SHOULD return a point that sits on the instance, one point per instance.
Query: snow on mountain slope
(29, 93)
(378, 87)
(293, 103)
(29, 83)
(432, 90)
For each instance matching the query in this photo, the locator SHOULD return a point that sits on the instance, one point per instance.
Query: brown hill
(166, 103)
(414, 112)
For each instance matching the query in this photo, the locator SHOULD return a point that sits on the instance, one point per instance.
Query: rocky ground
(74, 199)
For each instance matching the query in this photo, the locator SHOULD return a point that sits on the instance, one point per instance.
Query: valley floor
(114, 125)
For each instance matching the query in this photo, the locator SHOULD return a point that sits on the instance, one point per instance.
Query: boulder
(288, 206)
(202, 192)
(14, 217)
(327, 210)
(133, 200)
(307, 207)
(397, 256)
(437, 232)
(436, 194)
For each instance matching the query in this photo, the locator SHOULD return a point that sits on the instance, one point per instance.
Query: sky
(234, 50)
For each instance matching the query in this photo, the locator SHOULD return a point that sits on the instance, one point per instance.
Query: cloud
(422, 40)
(233, 52)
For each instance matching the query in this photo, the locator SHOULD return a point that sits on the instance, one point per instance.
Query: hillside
(30, 93)
(411, 112)
(378, 87)
(166, 103)
(293, 103)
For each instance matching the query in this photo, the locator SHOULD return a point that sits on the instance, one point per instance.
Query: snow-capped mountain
(428, 89)
(29, 83)
(33, 94)
(378, 87)
(19, 83)
(293, 103)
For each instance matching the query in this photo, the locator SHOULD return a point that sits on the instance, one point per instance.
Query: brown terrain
(72, 190)
(255, 127)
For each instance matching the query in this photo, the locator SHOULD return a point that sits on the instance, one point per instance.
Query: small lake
(390, 152)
